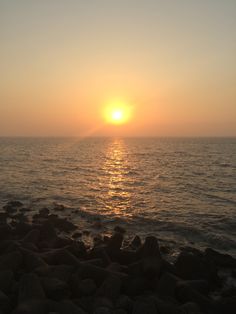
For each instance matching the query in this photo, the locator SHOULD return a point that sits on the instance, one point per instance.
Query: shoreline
(43, 270)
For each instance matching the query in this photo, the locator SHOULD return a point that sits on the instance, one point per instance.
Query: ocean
(183, 190)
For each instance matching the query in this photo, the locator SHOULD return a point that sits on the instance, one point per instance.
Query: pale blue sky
(174, 61)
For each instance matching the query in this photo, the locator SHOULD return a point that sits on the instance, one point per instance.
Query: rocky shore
(46, 268)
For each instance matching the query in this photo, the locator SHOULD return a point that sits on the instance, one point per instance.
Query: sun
(117, 112)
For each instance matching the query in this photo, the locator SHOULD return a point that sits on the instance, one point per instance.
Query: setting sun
(117, 113)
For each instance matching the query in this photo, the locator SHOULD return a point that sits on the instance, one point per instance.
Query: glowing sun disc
(117, 113)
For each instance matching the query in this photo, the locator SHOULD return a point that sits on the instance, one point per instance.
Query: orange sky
(63, 61)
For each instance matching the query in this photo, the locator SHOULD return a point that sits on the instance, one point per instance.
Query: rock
(87, 287)
(202, 286)
(36, 307)
(190, 308)
(119, 311)
(61, 272)
(110, 288)
(192, 266)
(58, 207)
(124, 302)
(166, 285)
(4, 302)
(226, 305)
(59, 257)
(100, 302)
(68, 307)
(136, 285)
(119, 229)
(222, 260)
(6, 280)
(22, 228)
(166, 307)
(136, 243)
(32, 260)
(102, 310)
(115, 242)
(77, 235)
(144, 307)
(30, 288)
(12, 206)
(98, 274)
(149, 248)
(185, 294)
(32, 237)
(55, 289)
(151, 266)
(11, 261)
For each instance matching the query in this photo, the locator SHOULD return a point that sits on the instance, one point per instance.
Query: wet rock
(5, 232)
(61, 272)
(222, 260)
(11, 261)
(12, 206)
(136, 243)
(115, 242)
(102, 310)
(110, 288)
(68, 307)
(36, 307)
(226, 305)
(120, 229)
(185, 294)
(119, 311)
(98, 274)
(149, 248)
(136, 285)
(151, 267)
(55, 289)
(6, 280)
(30, 288)
(190, 308)
(124, 302)
(58, 207)
(144, 307)
(4, 302)
(87, 287)
(60, 256)
(32, 260)
(77, 235)
(32, 237)
(191, 266)
(166, 285)
(22, 228)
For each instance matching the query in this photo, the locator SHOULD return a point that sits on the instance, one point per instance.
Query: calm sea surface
(181, 190)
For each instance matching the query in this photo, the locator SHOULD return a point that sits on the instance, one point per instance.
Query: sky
(172, 61)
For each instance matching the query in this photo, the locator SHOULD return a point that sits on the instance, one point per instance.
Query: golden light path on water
(115, 168)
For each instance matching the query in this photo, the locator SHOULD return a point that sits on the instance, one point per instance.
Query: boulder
(30, 288)
(11, 261)
(221, 260)
(4, 302)
(55, 289)
(6, 280)
(110, 288)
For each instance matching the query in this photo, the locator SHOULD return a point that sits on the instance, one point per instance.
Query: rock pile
(42, 272)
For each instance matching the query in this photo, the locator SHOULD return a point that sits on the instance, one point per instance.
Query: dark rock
(77, 235)
(191, 266)
(32, 237)
(144, 307)
(58, 207)
(32, 260)
(222, 260)
(119, 311)
(30, 288)
(226, 305)
(136, 285)
(11, 261)
(166, 285)
(102, 302)
(124, 302)
(68, 307)
(61, 272)
(119, 229)
(102, 310)
(115, 242)
(87, 287)
(190, 308)
(149, 248)
(185, 294)
(55, 289)
(36, 307)
(6, 280)
(60, 256)
(110, 288)
(4, 302)
(136, 243)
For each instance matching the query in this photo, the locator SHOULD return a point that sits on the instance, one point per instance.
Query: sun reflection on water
(116, 166)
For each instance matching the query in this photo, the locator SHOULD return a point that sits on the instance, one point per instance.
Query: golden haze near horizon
(128, 67)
